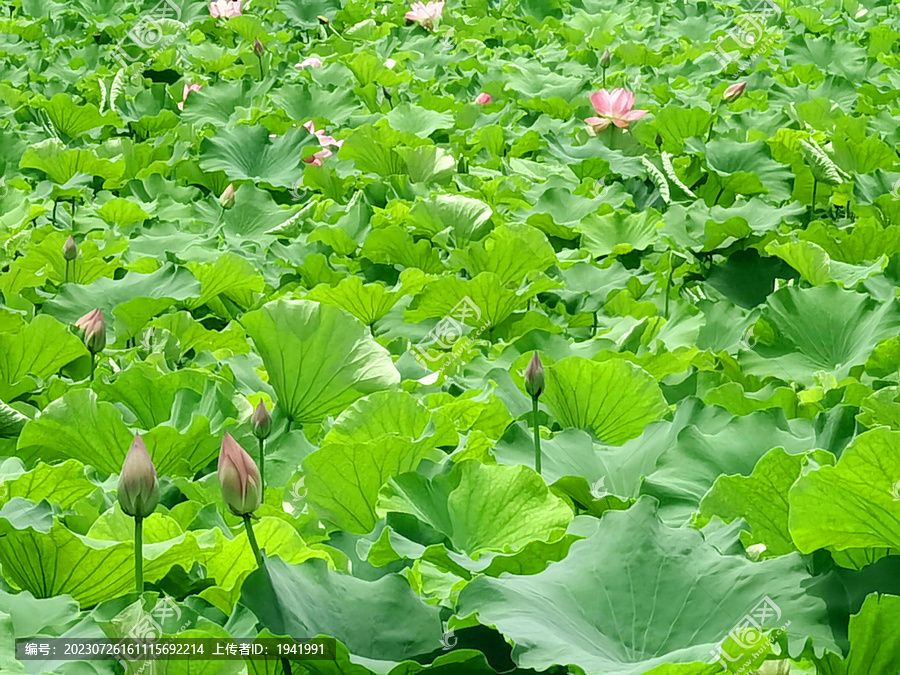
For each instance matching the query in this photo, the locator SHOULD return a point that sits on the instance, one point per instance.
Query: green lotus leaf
(61, 165)
(422, 122)
(37, 350)
(231, 276)
(618, 233)
(247, 153)
(480, 508)
(852, 504)
(874, 635)
(509, 251)
(466, 219)
(310, 599)
(611, 605)
(802, 344)
(394, 245)
(615, 399)
(816, 268)
(63, 484)
(319, 358)
(343, 479)
(367, 302)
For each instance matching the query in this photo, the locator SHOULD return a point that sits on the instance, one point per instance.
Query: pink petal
(619, 101)
(601, 103)
(598, 123)
(621, 123)
(634, 115)
(310, 127)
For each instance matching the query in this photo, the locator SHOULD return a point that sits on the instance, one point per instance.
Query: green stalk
(812, 206)
(537, 436)
(67, 270)
(604, 78)
(252, 537)
(262, 464)
(138, 554)
(93, 364)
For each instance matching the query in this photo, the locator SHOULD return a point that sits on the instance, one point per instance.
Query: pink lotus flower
(188, 88)
(311, 62)
(733, 93)
(94, 328)
(483, 98)
(425, 14)
(324, 139)
(316, 159)
(226, 8)
(615, 107)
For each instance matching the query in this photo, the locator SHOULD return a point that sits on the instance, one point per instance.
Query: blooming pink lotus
(316, 158)
(227, 8)
(188, 88)
(324, 139)
(311, 62)
(615, 107)
(483, 98)
(425, 14)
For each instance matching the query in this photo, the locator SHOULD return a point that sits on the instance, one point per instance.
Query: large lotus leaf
(319, 358)
(852, 504)
(367, 302)
(509, 251)
(615, 399)
(61, 165)
(395, 245)
(761, 498)
(37, 349)
(466, 218)
(392, 413)
(234, 559)
(230, 275)
(620, 233)
(416, 120)
(192, 335)
(817, 268)
(480, 508)
(748, 169)
(11, 421)
(636, 594)
(62, 484)
(77, 426)
(728, 445)
(43, 556)
(881, 408)
(343, 479)
(73, 119)
(247, 153)
(310, 599)
(804, 343)
(127, 303)
(874, 639)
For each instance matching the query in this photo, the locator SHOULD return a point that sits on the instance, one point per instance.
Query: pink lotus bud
(483, 98)
(70, 249)
(258, 47)
(534, 377)
(239, 478)
(733, 93)
(138, 492)
(94, 328)
(227, 198)
(261, 421)
(188, 88)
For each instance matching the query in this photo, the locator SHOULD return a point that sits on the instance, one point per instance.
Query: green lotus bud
(659, 140)
(605, 59)
(138, 492)
(239, 478)
(733, 93)
(261, 421)
(258, 46)
(94, 328)
(70, 249)
(227, 198)
(534, 377)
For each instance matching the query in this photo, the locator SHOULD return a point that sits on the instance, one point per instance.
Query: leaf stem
(252, 537)
(262, 465)
(93, 364)
(537, 436)
(138, 552)
(812, 205)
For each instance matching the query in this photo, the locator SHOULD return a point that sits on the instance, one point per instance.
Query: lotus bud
(605, 59)
(227, 198)
(659, 141)
(534, 377)
(239, 478)
(733, 93)
(138, 492)
(483, 98)
(94, 328)
(258, 47)
(261, 422)
(323, 19)
(70, 249)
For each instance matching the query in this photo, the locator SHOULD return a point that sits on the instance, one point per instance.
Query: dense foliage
(369, 218)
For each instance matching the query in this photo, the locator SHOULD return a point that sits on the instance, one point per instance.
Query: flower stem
(93, 364)
(252, 537)
(138, 553)
(604, 78)
(537, 436)
(67, 270)
(812, 205)
(262, 465)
